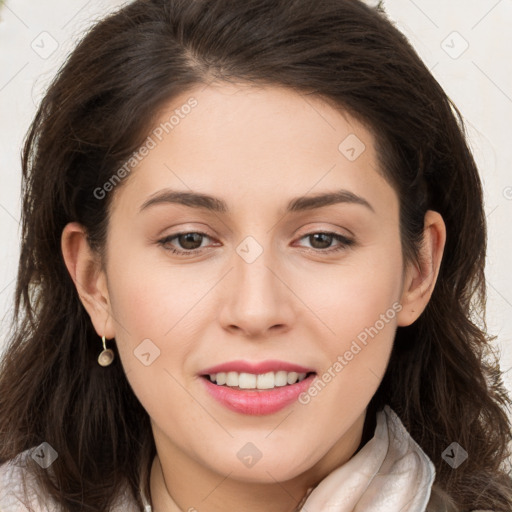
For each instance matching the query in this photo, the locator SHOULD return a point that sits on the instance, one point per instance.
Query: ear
(84, 267)
(420, 278)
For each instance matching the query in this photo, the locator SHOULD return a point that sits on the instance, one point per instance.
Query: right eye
(187, 239)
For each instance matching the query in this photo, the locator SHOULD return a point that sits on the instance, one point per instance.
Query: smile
(256, 389)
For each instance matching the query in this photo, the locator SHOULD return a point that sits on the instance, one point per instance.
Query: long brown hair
(442, 380)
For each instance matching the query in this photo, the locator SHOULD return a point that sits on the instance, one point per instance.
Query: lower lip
(259, 402)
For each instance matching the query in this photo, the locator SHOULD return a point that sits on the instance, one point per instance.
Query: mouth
(257, 389)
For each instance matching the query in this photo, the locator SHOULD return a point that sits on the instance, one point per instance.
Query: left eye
(190, 242)
(325, 239)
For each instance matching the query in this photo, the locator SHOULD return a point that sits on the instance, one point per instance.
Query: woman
(320, 350)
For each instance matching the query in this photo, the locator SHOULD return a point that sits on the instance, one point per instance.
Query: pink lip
(257, 402)
(256, 368)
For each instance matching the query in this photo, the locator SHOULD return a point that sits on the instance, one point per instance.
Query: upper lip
(256, 367)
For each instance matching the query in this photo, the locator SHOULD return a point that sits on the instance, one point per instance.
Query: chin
(267, 470)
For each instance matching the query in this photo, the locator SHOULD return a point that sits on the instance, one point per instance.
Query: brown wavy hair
(443, 378)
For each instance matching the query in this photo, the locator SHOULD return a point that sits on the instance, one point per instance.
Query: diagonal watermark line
(486, 14)
(7, 286)
(492, 81)
(198, 301)
(9, 9)
(301, 301)
(492, 211)
(10, 214)
(22, 502)
(216, 487)
(297, 502)
(75, 15)
(14, 76)
(304, 98)
(500, 294)
(198, 402)
(424, 13)
(377, 377)
(279, 424)
(170, 170)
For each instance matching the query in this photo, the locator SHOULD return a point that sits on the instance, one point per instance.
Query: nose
(255, 298)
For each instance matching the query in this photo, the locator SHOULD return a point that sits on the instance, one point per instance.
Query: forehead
(257, 143)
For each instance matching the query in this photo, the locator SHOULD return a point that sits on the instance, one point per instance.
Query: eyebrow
(215, 204)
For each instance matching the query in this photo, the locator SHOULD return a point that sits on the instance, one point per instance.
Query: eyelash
(345, 242)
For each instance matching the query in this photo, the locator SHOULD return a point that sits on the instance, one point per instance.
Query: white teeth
(281, 378)
(292, 377)
(247, 381)
(232, 379)
(267, 380)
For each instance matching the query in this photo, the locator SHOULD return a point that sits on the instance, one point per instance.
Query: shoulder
(18, 487)
(19, 490)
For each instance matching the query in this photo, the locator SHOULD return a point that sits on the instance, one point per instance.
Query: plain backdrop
(466, 43)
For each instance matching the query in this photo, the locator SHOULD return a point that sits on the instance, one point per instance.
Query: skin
(255, 148)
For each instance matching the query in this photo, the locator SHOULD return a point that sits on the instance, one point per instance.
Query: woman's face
(259, 285)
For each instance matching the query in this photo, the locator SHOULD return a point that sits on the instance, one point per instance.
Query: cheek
(151, 325)
(150, 314)
(160, 312)
(362, 294)
(360, 307)
(151, 299)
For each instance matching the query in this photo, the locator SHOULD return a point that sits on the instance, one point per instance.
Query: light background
(466, 43)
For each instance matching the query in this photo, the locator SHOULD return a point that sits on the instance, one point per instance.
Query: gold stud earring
(107, 355)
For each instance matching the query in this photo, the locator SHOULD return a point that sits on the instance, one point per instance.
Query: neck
(179, 483)
(226, 495)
